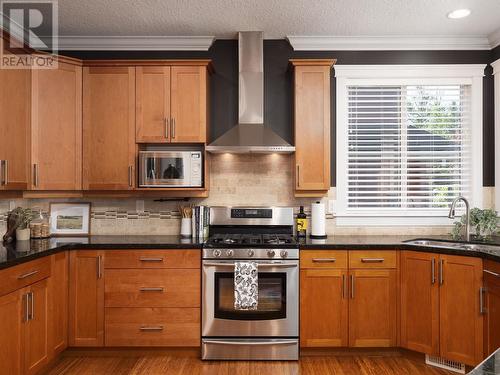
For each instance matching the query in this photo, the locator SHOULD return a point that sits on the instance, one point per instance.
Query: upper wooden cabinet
(56, 127)
(171, 104)
(312, 126)
(15, 86)
(441, 311)
(109, 128)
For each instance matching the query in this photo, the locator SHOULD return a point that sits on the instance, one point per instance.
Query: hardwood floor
(179, 365)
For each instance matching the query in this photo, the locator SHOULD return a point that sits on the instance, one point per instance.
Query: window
(406, 146)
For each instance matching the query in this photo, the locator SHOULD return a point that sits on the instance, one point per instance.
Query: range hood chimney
(250, 135)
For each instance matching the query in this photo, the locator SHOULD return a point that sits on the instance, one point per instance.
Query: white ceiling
(278, 18)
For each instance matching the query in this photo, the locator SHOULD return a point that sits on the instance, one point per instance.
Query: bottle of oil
(301, 223)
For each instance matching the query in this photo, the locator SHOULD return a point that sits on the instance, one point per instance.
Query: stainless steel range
(264, 236)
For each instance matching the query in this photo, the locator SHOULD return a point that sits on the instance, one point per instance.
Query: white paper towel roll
(318, 220)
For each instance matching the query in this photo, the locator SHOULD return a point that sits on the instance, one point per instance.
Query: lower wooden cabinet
(440, 299)
(86, 298)
(12, 311)
(491, 295)
(58, 299)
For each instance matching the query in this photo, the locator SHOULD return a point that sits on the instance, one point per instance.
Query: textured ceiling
(277, 18)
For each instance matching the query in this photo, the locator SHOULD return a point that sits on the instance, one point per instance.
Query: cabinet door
(56, 128)
(153, 104)
(461, 322)
(86, 299)
(492, 304)
(373, 308)
(14, 128)
(36, 343)
(420, 302)
(323, 308)
(312, 128)
(189, 104)
(13, 316)
(108, 128)
(58, 298)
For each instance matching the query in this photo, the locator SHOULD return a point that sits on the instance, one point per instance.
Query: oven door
(278, 304)
(165, 169)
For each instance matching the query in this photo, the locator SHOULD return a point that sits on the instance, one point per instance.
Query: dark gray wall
(278, 83)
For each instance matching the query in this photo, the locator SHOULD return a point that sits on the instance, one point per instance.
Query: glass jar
(40, 225)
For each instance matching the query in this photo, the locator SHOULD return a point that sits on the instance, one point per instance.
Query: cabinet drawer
(153, 259)
(152, 327)
(323, 259)
(373, 259)
(24, 274)
(152, 288)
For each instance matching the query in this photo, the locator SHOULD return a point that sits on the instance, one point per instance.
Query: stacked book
(200, 221)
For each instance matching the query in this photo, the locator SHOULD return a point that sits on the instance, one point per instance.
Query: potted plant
(483, 222)
(25, 215)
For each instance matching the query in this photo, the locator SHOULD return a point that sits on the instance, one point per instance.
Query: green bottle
(301, 222)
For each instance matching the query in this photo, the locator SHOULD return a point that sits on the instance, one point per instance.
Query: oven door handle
(280, 265)
(252, 343)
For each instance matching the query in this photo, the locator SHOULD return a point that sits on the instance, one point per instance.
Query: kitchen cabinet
(109, 128)
(15, 97)
(58, 299)
(56, 127)
(171, 104)
(491, 295)
(312, 126)
(454, 329)
(373, 298)
(86, 298)
(12, 310)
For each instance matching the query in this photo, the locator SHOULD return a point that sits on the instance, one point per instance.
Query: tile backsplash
(235, 180)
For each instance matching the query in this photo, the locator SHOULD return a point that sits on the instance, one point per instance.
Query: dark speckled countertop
(490, 366)
(23, 251)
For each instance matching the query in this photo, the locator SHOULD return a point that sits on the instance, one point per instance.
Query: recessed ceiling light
(459, 13)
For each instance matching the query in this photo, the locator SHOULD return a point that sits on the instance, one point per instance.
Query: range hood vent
(250, 135)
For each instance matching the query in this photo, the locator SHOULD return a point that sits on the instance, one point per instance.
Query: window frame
(442, 74)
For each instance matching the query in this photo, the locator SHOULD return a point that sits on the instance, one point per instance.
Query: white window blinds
(408, 147)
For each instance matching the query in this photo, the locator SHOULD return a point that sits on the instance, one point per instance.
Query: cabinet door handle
(151, 328)
(151, 259)
(6, 176)
(153, 289)
(343, 286)
(482, 308)
(2, 172)
(99, 266)
(26, 307)
(130, 175)
(324, 260)
(372, 260)
(32, 303)
(433, 271)
(25, 275)
(441, 272)
(352, 286)
(173, 128)
(491, 273)
(298, 175)
(35, 175)
(166, 127)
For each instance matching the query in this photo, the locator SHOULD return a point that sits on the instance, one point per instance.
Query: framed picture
(70, 219)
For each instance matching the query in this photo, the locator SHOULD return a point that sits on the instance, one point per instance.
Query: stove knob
(251, 253)
(229, 253)
(270, 253)
(284, 253)
(217, 253)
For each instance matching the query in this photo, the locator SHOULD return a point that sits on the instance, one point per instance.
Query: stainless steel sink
(454, 245)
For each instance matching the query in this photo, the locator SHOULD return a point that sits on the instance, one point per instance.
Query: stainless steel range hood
(250, 135)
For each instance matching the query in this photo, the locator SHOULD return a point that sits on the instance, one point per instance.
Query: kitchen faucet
(451, 215)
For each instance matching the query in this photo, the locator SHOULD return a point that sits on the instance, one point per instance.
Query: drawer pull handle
(145, 289)
(324, 260)
(372, 260)
(27, 275)
(151, 259)
(154, 328)
(491, 273)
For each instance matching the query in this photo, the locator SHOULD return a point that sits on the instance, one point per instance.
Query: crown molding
(135, 43)
(494, 38)
(387, 43)
(405, 71)
(496, 66)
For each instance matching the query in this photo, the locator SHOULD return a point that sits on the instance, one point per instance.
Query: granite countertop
(23, 251)
(490, 366)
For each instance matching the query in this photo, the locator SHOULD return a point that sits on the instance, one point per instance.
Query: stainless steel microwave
(170, 169)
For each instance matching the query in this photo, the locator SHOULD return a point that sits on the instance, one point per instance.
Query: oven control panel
(251, 213)
(251, 253)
